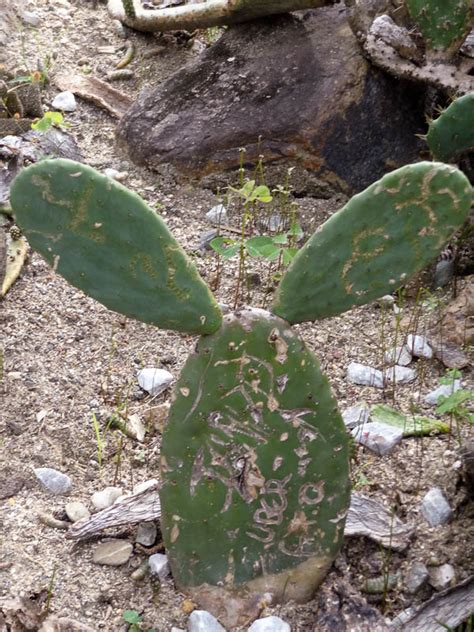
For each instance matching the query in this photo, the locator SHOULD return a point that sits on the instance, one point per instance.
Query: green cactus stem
(104, 240)
(376, 242)
(129, 9)
(444, 24)
(254, 465)
(452, 133)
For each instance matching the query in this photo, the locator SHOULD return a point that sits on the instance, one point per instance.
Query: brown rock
(291, 88)
(458, 321)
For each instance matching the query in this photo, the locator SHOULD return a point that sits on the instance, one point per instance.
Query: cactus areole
(254, 463)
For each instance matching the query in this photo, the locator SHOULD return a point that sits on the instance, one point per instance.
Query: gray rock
(365, 375)
(146, 533)
(398, 355)
(444, 273)
(416, 577)
(106, 497)
(54, 481)
(202, 621)
(159, 566)
(65, 101)
(31, 19)
(402, 617)
(442, 577)
(355, 416)
(400, 374)
(444, 389)
(275, 223)
(217, 214)
(269, 624)
(76, 511)
(377, 437)
(386, 301)
(112, 553)
(205, 239)
(154, 381)
(419, 347)
(451, 355)
(435, 507)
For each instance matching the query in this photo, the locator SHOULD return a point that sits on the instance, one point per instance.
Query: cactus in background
(129, 9)
(255, 457)
(452, 134)
(444, 24)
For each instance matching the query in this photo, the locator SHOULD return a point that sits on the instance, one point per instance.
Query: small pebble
(146, 533)
(402, 617)
(217, 214)
(442, 577)
(114, 174)
(365, 375)
(112, 553)
(386, 301)
(159, 566)
(436, 508)
(154, 381)
(445, 389)
(65, 101)
(416, 577)
(31, 19)
(398, 355)
(54, 481)
(202, 621)
(444, 273)
(419, 347)
(377, 437)
(106, 497)
(355, 416)
(269, 624)
(205, 239)
(77, 511)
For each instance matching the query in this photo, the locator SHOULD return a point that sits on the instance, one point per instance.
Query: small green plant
(135, 620)
(49, 120)
(455, 403)
(100, 440)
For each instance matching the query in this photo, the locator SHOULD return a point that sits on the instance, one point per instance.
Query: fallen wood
(202, 15)
(97, 91)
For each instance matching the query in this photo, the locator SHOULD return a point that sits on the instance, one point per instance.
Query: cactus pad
(376, 242)
(452, 133)
(254, 464)
(444, 24)
(104, 240)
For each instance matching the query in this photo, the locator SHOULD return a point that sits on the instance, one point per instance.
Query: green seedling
(49, 120)
(255, 457)
(135, 620)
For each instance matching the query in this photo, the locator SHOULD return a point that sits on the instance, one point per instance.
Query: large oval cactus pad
(376, 242)
(105, 240)
(452, 133)
(254, 463)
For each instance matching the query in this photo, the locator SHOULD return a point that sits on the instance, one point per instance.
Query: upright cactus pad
(104, 240)
(254, 464)
(376, 242)
(452, 133)
(444, 24)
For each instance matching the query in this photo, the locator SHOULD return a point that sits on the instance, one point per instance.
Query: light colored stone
(159, 566)
(31, 19)
(136, 427)
(154, 381)
(203, 621)
(76, 511)
(419, 347)
(416, 577)
(386, 301)
(377, 437)
(364, 375)
(355, 416)
(217, 214)
(400, 374)
(398, 355)
(65, 101)
(269, 624)
(146, 533)
(445, 389)
(106, 497)
(442, 577)
(436, 508)
(112, 553)
(54, 481)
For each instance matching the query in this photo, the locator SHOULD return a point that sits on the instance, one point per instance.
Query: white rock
(31, 19)
(419, 347)
(442, 577)
(141, 487)
(202, 621)
(386, 301)
(154, 381)
(106, 497)
(65, 101)
(113, 174)
(269, 624)
(400, 374)
(365, 375)
(355, 416)
(77, 511)
(146, 533)
(217, 214)
(398, 355)
(380, 438)
(136, 427)
(159, 566)
(56, 482)
(112, 553)
(436, 508)
(444, 389)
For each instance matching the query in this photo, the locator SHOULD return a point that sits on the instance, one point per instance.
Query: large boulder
(291, 88)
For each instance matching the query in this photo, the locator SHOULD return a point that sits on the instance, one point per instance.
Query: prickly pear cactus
(444, 24)
(375, 243)
(254, 463)
(452, 133)
(104, 240)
